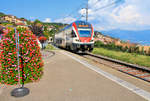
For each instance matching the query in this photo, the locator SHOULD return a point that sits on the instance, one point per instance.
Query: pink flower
(10, 53)
(11, 42)
(6, 31)
(14, 65)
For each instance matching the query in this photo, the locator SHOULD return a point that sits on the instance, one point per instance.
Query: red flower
(42, 38)
(10, 61)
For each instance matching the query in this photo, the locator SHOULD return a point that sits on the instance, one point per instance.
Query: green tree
(37, 21)
(142, 51)
(99, 44)
(22, 18)
(2, 14)
(1, 30)
(29, 22)
(137, 49)
(149, 52)
(52, 32)
(37, 30)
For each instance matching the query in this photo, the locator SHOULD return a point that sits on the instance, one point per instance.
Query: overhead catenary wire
(108, 5)
(96, 2)
(89, 7)
(74, 11)
(103, 7)
(78, 8)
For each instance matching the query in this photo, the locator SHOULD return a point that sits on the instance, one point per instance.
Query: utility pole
(87, 8)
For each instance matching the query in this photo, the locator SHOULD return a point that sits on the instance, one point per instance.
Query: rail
(121, 62)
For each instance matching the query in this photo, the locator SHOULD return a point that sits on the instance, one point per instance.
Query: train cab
(78, 36)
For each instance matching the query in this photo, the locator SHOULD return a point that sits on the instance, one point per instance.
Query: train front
(85, 36)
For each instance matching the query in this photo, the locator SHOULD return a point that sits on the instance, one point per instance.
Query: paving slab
(65, 79)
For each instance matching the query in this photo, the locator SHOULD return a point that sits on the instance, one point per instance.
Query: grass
(50, 47)
(133, 58)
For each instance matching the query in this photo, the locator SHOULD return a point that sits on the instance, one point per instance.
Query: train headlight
(92, 41)
(77, 40)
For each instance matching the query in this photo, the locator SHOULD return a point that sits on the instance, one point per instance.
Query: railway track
(130, 69)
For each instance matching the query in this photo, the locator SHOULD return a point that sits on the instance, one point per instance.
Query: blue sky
(124, 14)
(38, 9)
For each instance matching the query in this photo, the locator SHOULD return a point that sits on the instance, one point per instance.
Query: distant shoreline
(140, 37)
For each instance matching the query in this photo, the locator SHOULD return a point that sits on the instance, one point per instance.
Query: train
(77, 37)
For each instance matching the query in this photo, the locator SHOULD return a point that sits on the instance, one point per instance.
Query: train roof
(82, 23)
(77, 23)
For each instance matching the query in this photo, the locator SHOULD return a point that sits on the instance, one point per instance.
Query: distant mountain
(141, 37)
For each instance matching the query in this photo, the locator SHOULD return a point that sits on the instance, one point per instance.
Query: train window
(59, 41)
(73, 34)
(85, 33)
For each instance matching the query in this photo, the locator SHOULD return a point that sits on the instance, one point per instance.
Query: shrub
(50, 47)
(149, 51)
(137, 49)
(37, 29)
(142, 51)
(98, 44)
(42, 39)
(30, 57)
(131, 49)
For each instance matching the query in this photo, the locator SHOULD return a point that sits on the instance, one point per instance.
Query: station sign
(83, 25)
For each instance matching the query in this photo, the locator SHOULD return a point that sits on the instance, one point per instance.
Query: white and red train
(78, 36)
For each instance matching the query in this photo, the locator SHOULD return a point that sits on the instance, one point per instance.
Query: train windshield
(85, 33)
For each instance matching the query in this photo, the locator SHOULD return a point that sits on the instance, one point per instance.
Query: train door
(68, 38)
(63, 39)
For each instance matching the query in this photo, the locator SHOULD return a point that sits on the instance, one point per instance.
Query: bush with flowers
(30, 57)
(42, 39)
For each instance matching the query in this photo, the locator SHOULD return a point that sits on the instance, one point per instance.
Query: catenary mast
(87, 7)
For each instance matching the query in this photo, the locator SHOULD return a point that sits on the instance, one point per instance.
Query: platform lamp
(22, 91)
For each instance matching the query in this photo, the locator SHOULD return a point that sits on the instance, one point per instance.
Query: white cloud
(126, 14)
(67, 20)
(47, 20)
(83, 12)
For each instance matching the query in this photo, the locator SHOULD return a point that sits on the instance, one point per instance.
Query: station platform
(67, 79)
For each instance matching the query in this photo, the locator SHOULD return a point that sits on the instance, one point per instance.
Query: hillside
(1, 14)
(141, 37)
(37, 26)
(106, 39)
